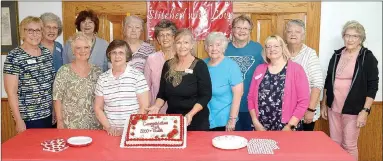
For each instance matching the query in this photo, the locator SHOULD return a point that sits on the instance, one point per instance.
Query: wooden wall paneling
(264, 26)
(104, 27)
(313, 25)
(270, 7)
(69, 28)
(370, 138)
(8, 129)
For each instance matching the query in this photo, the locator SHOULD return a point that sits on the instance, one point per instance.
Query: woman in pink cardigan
(279, 91)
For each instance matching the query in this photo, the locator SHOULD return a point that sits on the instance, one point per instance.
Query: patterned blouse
(77, 95)
(35, 79)
(270, 100)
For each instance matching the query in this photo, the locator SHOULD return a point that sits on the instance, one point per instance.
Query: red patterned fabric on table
(302, 146)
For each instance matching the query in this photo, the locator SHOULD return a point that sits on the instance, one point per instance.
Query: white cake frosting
(154, 131)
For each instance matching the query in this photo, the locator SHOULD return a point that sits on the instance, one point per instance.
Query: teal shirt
(223, 76)
(248, 58)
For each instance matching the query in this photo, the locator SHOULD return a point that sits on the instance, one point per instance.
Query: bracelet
(232, 117)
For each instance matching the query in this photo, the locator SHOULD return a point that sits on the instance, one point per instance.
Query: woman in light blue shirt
(227, 84)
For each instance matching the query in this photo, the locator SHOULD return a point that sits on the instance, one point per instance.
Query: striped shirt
(120, 94)
(35, 80)
(139, 57)
(309, 60)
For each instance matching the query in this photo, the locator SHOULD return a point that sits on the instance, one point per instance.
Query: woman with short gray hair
(227, 84)
(164, 32)
(133, 28)
(308, 59)
(350, 88)
(52, 28)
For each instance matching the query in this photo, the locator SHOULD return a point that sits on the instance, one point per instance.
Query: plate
(79, 141)
(229, 142)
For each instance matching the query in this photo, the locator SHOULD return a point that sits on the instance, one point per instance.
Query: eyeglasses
(115, 53)
(51, 28)
(241, 28)
(165, 35)
(270, 47)
(353, 37)
(31, 31)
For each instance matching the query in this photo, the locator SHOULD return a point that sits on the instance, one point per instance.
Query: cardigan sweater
(295, 99)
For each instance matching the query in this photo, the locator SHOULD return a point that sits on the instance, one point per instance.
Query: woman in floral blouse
(73, 89)
(279, 91)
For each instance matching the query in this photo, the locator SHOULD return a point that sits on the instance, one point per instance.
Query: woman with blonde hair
(73, 89)
(185, 84)
(28, 78)
(279, 91)
(350, 88)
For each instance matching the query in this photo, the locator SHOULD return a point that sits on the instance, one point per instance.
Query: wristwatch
(367, 110)
(293, 127)
(311, 110)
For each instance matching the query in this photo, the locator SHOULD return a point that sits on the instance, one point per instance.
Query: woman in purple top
(164, 32)
(279, 91)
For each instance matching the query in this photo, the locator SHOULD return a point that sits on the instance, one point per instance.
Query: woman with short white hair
(307, 57)
(350, 88)
(133, 28)
(52, 28)
(227, 84)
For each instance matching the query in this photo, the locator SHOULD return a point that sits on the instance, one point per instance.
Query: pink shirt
(343, 78)
(296, 93)
(152, 72)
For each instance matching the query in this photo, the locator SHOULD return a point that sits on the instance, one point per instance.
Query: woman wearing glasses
(350, 88)
(28, 78)
(247, 54)
(52, 28)
(279, 90)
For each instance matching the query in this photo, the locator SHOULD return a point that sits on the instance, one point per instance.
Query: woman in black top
(185, 84)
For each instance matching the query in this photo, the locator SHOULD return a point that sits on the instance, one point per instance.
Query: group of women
(92, 84)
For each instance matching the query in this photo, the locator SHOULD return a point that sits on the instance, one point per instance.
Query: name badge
(58, 49)
(258, 76)
(189, 71)
(31, 61)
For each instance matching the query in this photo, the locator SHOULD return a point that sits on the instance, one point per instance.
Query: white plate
(79, 141)
(229, 142)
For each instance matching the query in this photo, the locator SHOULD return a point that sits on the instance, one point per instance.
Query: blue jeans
(244, 122)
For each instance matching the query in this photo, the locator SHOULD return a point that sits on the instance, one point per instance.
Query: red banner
(201, 17)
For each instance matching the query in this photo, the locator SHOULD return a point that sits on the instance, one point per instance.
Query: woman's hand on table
(114, 131)
(20, 126)
(231, 124)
